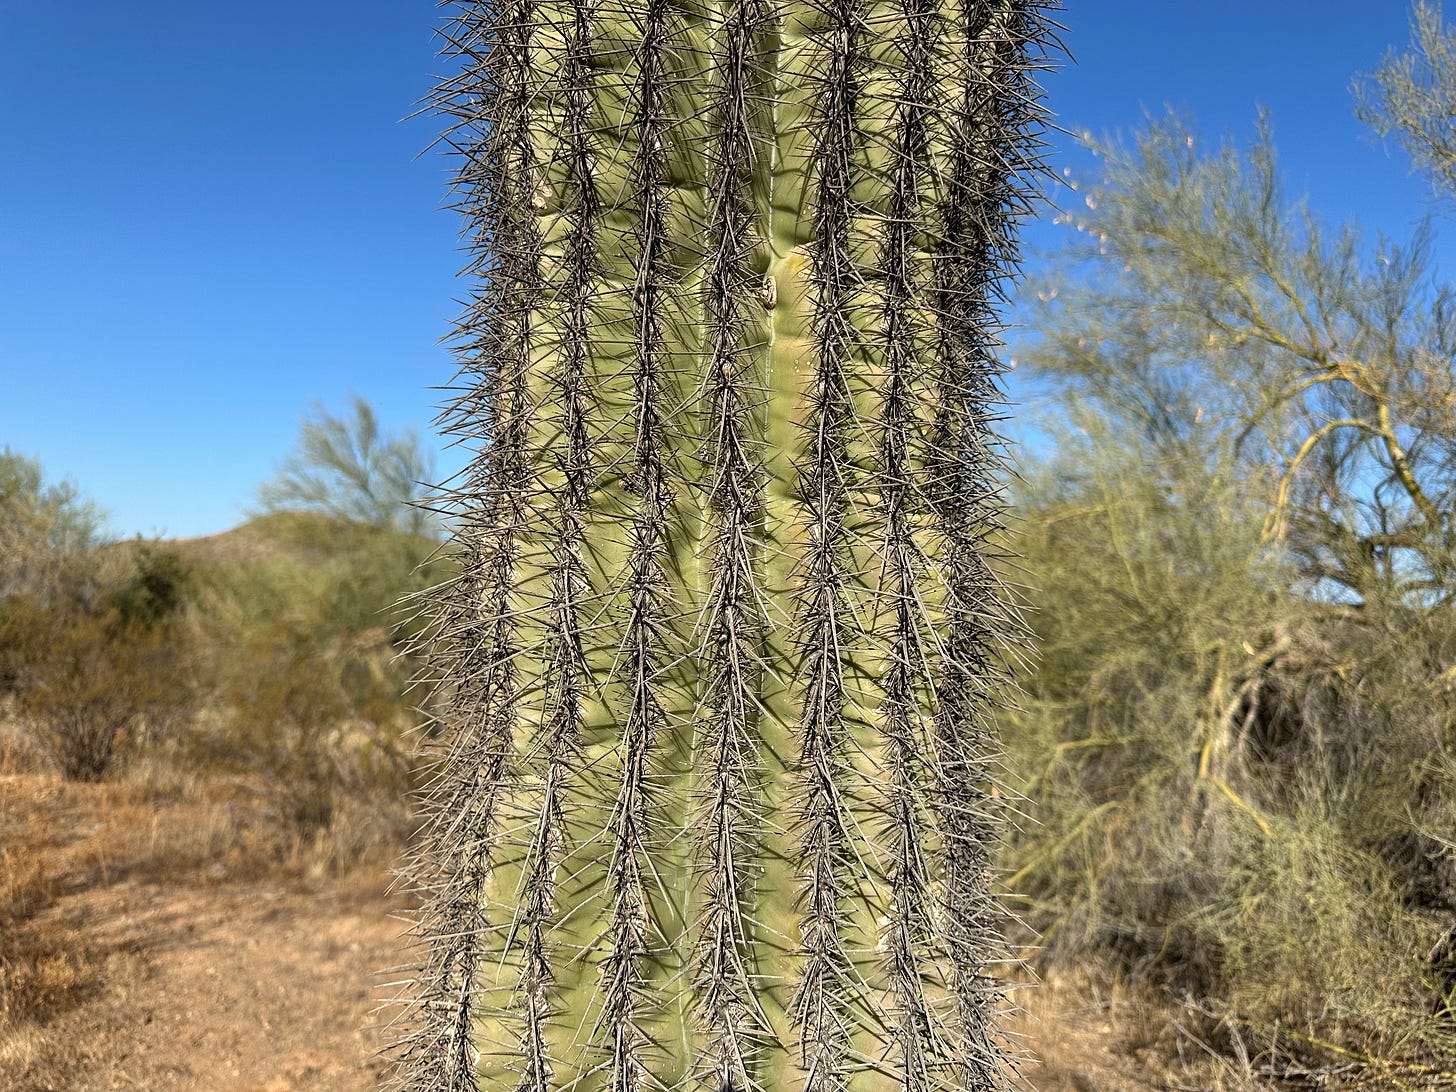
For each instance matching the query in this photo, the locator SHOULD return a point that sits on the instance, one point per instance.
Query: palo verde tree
(1409, 97)
(349, 468)
(717, 673)
(1242, 728)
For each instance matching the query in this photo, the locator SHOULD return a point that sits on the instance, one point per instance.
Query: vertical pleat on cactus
(713, 688)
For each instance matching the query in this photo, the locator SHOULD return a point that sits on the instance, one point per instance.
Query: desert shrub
(1239, 787)
(94, 684)
(1150, 583)
(315, 719)
(47, 558)
(352, 470)
(1239, 737)
(1309, 928)
(43, 527)
(98, 661)
(91, 649)
(154, 589)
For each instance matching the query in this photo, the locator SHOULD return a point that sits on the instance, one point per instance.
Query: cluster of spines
(992, 158)
(733, 625)
(473, 647)
(624, 973)
(903, 596)
(945, 248)
(822, 1012)
(564, 495)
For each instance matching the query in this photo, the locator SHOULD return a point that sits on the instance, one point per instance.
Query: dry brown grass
(118, 900)
(1094, 1030)
(18, 751)
(121, 894)
(160, 826)
(44, 966)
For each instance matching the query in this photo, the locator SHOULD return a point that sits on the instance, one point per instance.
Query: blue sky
(211, 215)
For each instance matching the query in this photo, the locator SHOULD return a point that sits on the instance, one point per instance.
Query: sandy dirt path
(177, 959)
(267, 987)
(258, 987)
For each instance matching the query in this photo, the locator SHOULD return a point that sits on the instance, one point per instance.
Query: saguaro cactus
(716, 678)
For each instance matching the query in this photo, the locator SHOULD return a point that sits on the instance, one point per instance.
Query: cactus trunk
(715, 681)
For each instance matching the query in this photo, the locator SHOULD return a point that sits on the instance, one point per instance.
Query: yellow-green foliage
(1233, 785)
(1310, 931)
(300, 626)
(315, 571)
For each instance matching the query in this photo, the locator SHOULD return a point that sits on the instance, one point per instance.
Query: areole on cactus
(715, 683)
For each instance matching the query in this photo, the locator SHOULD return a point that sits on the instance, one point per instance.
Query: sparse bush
(1309, 930)
(1239, 736)
(98, 662)
(91, 682)
(47, 561)
(43, 527)
(1232, 781)
(315, 718)
(90, 648)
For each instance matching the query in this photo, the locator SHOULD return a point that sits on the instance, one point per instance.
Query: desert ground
(164, 937)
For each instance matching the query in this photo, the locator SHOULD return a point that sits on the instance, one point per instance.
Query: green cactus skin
(715, 682)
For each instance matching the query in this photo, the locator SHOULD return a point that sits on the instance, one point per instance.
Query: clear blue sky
(211, 214)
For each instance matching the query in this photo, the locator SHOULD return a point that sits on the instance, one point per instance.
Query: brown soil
(160, 948)
(257, 987)
(167, 944)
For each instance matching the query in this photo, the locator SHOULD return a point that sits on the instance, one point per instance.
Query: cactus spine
(716, 677)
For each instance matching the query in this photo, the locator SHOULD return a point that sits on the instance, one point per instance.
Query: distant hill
(346, 577)
(305, 537)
